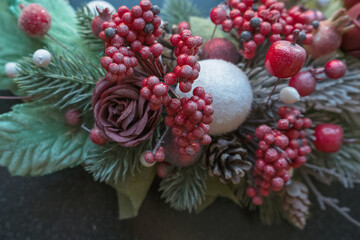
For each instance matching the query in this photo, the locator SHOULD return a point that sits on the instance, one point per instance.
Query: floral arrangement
(253, 104)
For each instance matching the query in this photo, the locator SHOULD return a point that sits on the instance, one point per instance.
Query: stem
(59, 43)
(14, 97)
(296, 36)
(272, 92)
(350, 140)
(173, 92)
(332, 172)
(332, 202)
(85, 128)
(213, 33)
(160, 141)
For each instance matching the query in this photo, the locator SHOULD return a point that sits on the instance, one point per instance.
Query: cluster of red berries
(279, 151)
(271, 19)
(187, 71)
(158, 156)
(190, 119)
(155, 92)
(137, 28)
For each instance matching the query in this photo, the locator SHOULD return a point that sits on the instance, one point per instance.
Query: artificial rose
(122, 114)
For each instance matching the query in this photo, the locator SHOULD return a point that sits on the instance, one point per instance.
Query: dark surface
(70, 205)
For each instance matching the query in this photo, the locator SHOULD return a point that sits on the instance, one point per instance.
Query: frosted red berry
(218, 15)
(335, 69)
(328, 137)
(34, 20)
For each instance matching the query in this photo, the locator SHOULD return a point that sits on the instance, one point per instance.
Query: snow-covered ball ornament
(144, 163)
(42, 58)
(231, 92)
(11, 69)
(289, 95)
(101, 5)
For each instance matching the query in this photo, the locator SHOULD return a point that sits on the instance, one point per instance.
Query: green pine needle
(176, 11)
(186, 188)
(84, 18)
(67, 82)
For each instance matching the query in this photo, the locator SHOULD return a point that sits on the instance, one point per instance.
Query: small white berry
(11, 69)
(144, 163)
(42, 58)
(101, 5)
(289, 95)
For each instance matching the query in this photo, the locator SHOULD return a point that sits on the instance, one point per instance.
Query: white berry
(289, 95)
(11, 69)
(42, 58)
(101, 5)
(231, 92)
(144, 163)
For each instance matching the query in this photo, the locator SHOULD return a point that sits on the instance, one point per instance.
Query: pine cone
(168, 56)
(296, 203)
(226, 158)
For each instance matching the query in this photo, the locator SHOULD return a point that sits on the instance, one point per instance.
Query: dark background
(70, 205)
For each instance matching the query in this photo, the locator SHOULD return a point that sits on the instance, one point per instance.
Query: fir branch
(270, 211)
(67, 82)
(113, 163)
(186, 188)
(175, 11)
(332, 202)
(84, 18)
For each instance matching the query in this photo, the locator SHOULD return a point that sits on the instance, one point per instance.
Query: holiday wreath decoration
(252, 104)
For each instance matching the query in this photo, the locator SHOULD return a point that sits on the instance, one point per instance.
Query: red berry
(72, 117)
(335, 69)
(271, 155)
(283, 124)
(183, 25)
(161, 170)
(96, 24)
(261, 131)
(284, 59)
(304, 83)
(251, 192)
(277, 183)
(149, 157)
(97, 137)
(282, 141)
(328, 137)
(35, 20)
(218, 15)
(257, 200)
(227, 25)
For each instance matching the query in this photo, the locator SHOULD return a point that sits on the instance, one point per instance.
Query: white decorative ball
(11, 69)
(289, 95)
(42, 58)
(101, 5)
(231, 91)
(144, 163)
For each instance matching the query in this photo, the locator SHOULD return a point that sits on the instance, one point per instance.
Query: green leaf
(215, 189)
(14, 44)
(35, 140)
(204, 28)
(132, 192)
(175, 11)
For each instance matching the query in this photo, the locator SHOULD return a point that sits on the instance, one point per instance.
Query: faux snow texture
(231, 92)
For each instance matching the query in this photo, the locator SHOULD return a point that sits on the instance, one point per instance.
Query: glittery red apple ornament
(329, 137)
(351, 39)
(284, 59)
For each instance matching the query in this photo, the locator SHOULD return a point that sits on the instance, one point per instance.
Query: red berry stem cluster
(254, 23)
(278, 151)
(189, 118)
(130, 32)
(305, 82)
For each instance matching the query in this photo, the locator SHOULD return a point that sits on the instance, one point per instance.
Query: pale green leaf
(35, 140)
(215, 189)
(132, 192)
(204, 28)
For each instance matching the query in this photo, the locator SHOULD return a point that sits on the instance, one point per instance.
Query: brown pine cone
(168, 56)
(296, 203)
(226, 158)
